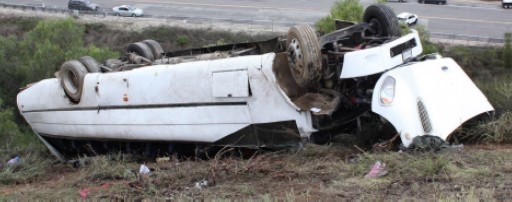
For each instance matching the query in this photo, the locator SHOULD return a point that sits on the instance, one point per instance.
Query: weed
(498, 130)
(182, 40)
(507, 51)
(31, 167)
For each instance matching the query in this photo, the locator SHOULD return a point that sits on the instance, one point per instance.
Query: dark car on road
(432, 1)
(84, 5)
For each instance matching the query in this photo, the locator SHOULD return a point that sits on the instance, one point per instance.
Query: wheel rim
(295, 55)
(376, 27)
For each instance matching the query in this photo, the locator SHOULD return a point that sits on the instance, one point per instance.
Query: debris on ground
(144, 169)
(84, 193)
(14, 161)
(378, 170)
(201, 184)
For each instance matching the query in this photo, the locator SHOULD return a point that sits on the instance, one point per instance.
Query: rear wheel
(155, 47)
(141, 49)
(304, 58)
(90, 63)
(382, 20)
(73, 73)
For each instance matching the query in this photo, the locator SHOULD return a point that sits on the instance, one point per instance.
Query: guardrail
(241, 23)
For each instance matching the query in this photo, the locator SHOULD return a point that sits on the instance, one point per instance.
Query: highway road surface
(458, 17)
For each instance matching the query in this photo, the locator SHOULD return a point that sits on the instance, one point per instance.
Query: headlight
(387, 91)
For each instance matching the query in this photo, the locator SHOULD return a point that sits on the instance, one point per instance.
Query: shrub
(350, 10)
(428, 47)
(182, 40)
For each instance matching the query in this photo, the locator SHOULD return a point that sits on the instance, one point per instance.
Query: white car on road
(127, 10)
(407, 18)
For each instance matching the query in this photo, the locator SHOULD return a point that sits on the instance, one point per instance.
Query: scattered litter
(14, 161)
(201, 184)
(315, 110)
(144, 169)
(378, 169)
(84, 193)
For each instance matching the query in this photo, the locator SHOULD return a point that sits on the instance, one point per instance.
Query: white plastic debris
(315, 109)
(13, 161)
(378, 169)
(201, 184)
(144, 169)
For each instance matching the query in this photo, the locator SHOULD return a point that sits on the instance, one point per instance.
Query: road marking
(229, 6)
(467, 20)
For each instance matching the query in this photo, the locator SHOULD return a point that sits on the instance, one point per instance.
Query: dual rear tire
(72, 72)
(149, 49)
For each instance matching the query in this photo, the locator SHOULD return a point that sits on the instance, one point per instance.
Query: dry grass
(315, 172)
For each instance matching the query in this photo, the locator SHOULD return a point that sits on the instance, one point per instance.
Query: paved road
(458, 17)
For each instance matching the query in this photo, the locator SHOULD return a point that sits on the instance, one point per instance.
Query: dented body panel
(432, 97)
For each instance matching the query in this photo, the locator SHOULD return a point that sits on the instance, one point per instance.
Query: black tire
(304, 57)
(117, 14)
(155, 47)
(382, 20)
(90, 63)
(72, 79)
(133, 14)
(141, 49)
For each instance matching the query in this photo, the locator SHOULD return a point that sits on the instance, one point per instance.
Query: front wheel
(304, 58)
(382, 21)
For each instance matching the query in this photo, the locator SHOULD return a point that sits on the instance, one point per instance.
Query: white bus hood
(433, 97)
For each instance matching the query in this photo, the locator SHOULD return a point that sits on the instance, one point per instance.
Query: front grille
(425, 120)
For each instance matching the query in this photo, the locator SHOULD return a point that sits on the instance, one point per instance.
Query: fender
(431, 97)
